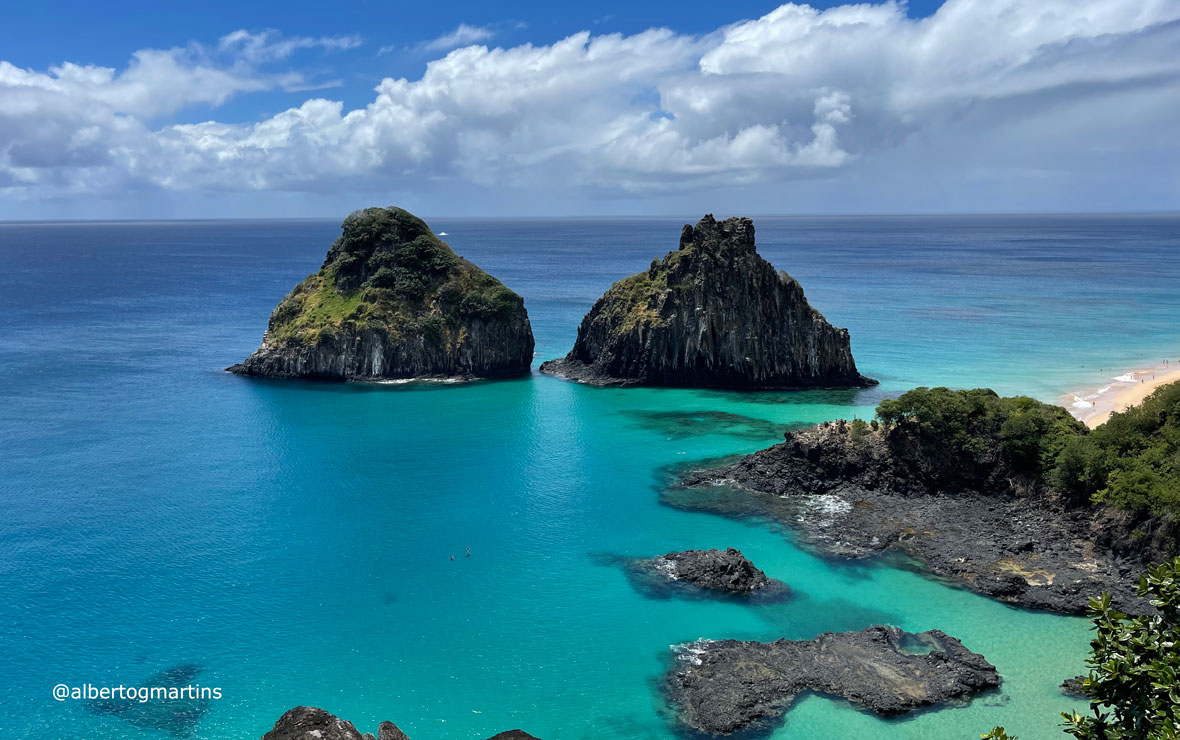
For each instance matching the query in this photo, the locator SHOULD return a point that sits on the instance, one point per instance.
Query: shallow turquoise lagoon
(294, 540)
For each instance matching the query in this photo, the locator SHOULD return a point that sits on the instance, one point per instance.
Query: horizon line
(600, 217)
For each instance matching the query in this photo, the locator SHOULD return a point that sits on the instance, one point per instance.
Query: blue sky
(267, 109)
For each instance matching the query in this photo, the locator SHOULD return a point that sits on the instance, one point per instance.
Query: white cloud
(798, 93)
(461, 36)
(270, 45)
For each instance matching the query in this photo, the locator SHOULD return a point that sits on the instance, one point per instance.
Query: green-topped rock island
(392, 301)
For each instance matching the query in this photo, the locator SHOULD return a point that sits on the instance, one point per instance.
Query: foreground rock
(726, 570)
(712, 314)
(1074, 687)
(858, 492)
(310, 723)
(727, 685)
(392, 301)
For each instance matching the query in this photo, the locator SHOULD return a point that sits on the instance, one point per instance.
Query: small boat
(442, 233)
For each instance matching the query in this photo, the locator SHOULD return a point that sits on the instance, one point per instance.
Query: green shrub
(1131, 462)
(1030, 434)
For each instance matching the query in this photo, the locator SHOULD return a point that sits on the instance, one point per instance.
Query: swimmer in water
(469, 552)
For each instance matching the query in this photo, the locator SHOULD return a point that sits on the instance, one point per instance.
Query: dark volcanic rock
(1073, 687)
(972, 520)
(724, 686)
(392, 301)
(712, 314)
(390, 731)
(309, 723)
(718, 570)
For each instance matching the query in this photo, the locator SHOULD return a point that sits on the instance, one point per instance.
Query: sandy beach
(1093, 407)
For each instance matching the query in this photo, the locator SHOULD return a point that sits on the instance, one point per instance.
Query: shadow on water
(178, 717)
(806, 617)
(650, 582)
(820, 397)
(336, 386)
(682, 424)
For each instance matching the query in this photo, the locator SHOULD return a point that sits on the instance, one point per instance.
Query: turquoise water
(294, 540)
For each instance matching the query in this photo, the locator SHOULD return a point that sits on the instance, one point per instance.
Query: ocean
(290, 543)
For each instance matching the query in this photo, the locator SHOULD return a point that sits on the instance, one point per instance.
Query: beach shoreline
(1093, 406)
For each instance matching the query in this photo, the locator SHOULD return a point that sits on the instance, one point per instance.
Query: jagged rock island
(393, 301)
(724, 686)
(310, 723)
(712, 314)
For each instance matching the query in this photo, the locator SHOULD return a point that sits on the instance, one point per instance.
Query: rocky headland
(393, 301)
(725, 571)
(713, 314)
(974, 502)
(310, 723)
(724, 686)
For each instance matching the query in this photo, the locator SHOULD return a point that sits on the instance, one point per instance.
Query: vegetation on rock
(392, 300)
(1132, 462)
(389, 271)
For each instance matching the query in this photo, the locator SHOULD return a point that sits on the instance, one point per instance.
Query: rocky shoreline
(726, 686)
(849, 495)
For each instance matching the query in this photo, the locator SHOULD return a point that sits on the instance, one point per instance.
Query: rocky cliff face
(393, 301)
(711, 314)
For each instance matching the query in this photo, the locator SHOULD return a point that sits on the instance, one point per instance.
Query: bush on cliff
(1029, 434)
(1131, 462)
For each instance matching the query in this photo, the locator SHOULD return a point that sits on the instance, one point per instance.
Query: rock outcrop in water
(711, 314)
(392, 301)
(310, 723)
(726, 570)
(724, 686)
(852, 491)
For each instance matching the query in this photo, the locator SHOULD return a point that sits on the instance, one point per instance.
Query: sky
(256, 109)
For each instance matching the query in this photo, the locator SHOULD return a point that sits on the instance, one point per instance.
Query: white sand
(1128, 389)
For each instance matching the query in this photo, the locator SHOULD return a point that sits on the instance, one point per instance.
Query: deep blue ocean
(290, 543)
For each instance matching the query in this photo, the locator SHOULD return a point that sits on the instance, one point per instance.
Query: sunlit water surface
(292, 541)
